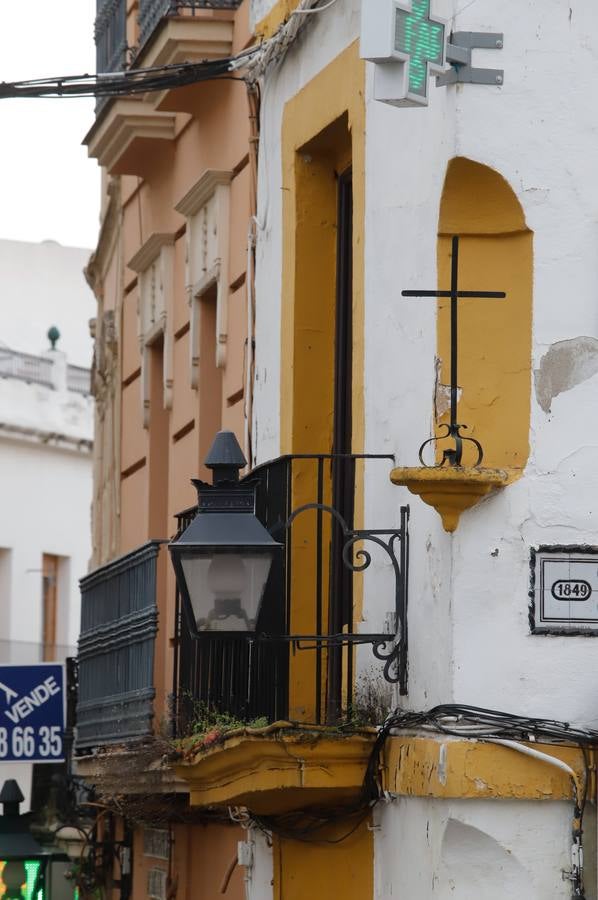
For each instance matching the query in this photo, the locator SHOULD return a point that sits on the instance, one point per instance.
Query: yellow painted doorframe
(336, 91)
(323, 133)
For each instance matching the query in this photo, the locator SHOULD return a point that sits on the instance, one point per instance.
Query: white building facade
(506, 166)
(46, 439)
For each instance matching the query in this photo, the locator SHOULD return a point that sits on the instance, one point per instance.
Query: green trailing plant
(210, 727)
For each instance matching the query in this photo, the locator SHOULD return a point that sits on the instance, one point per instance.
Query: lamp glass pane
(226, 588)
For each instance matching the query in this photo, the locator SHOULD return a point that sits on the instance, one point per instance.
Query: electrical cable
(133, 81)
(306, 825)
(316, 9)
(515, 732)
(255, 60)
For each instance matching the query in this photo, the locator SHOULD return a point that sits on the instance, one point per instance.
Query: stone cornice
(46, 438)
(125, 122)
(150, 250)
(202, 190)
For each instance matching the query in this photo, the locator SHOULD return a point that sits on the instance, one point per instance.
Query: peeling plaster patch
(443, 399)
(442, 764)
(565, 365)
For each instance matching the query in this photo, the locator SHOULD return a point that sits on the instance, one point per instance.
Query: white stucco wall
(43, 285)
(467, 849)
(468, 618)
(545, 150)
(46, 434)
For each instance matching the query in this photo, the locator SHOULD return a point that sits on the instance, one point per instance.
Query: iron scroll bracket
(391, 649)
(459, 53)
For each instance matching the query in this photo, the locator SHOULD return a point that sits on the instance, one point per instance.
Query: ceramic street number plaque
(32, 713)
(564, 590)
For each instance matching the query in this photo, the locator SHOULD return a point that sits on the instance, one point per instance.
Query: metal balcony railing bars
(249, 678)
(111, 35)
(151, 12)
(119, 622)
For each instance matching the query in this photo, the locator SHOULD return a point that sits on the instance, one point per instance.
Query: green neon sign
(420, 39)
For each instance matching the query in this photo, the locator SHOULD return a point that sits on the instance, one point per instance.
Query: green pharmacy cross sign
(420, 42)
(408, 44)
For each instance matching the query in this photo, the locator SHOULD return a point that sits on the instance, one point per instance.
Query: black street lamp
(23, 862)
(223, 559)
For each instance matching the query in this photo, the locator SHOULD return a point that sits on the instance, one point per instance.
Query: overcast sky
(49, 189)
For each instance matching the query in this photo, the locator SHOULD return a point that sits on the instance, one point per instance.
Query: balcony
(119, 622)
(129, 131)
(152, 12)
(173, 32)
(314, 589)
(304, 688)
(111, 35)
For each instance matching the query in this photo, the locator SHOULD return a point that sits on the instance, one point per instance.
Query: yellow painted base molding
(278, 769)
(453, 768)
(453, 490)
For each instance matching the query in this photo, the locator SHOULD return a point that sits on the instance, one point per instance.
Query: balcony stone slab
(148, 771)
(127, 134)
(206, 35)
(279, 769)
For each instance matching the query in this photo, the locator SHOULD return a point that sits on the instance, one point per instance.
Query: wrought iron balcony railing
(111, 35)
(151, 12)
(119, 621)
(311, 587)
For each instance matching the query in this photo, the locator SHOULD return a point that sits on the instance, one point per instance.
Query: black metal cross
(454, 456)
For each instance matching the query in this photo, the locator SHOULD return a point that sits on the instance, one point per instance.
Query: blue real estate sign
(32, 713)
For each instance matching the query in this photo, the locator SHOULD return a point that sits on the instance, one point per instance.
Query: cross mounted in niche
(454, 455)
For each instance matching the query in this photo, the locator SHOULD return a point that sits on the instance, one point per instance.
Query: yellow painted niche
(495, 339)
(279, 768)
(461, 769)
(495, 336)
